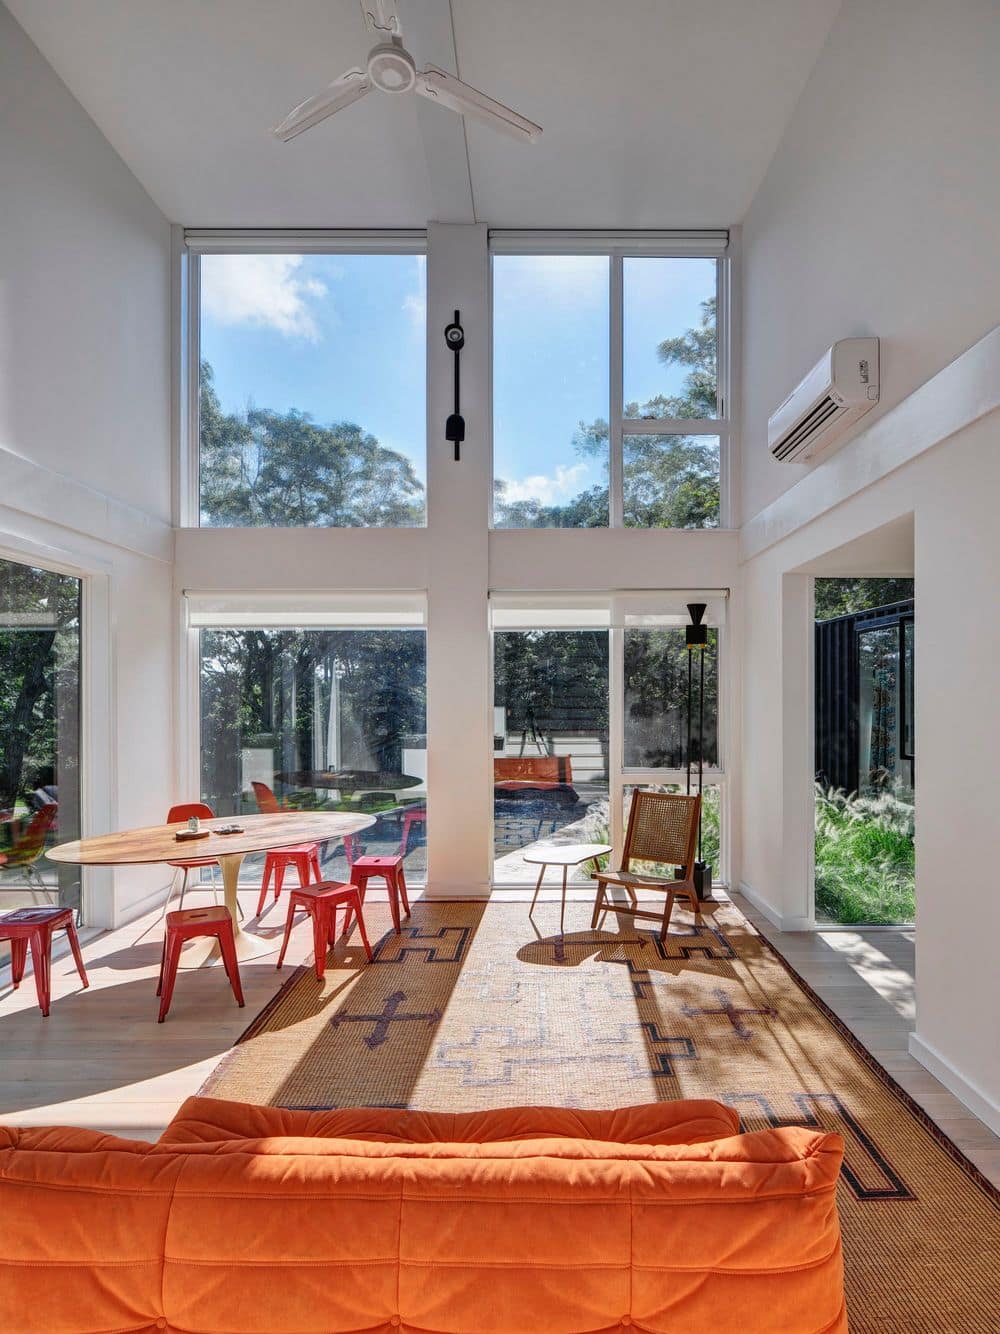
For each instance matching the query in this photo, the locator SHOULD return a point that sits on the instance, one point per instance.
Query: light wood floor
(867, 979)
(101, 1060)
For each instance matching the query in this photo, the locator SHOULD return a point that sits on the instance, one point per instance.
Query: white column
(797, 752)
(459, 706)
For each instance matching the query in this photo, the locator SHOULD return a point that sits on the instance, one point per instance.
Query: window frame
(620, 775)
(272, 610)
(196, 242)
(636, 245)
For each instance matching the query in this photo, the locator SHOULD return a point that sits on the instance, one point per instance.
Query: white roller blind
(602, 611)
(330, 611)
(550, 611)
(661, 609)
(554, 242)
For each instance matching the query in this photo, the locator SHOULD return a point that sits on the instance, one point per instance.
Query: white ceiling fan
(392, 69)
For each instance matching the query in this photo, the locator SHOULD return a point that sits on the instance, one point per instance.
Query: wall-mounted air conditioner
(839, 389)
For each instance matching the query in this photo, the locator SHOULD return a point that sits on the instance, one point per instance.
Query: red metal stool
(188, 924)
(321, 903)
(418, 815)
(34, 927)
(303, 856)
(389, 869)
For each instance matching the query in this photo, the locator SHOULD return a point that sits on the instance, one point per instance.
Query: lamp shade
(696, 634)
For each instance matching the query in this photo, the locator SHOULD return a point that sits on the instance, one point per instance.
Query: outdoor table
(157, 844)
(349, 780)
(564, 855)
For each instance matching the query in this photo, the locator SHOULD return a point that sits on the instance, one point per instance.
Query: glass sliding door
(550, 743)
(40, 617)
(328, 719)
(865, 751)
(592, 699)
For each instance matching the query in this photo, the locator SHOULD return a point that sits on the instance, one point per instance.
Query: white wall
(878, 214)
(84, 291)
(951, 491)
(85, 455)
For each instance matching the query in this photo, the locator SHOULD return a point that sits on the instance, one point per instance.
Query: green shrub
(865, 868)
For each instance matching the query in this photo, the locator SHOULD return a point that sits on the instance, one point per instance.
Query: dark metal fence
(838, 689)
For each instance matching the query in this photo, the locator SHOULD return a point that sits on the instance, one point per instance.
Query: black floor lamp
(696, 640)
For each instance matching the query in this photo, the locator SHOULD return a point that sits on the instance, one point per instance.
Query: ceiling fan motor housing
(391, 67)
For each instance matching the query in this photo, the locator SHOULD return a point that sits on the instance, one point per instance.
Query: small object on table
(564, 855)
(229, 829)
(191, 835)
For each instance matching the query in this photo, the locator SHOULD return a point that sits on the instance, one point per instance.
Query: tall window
(39, 729)
(592, 699)
(607, 400)
(327, 718)
(312, 390)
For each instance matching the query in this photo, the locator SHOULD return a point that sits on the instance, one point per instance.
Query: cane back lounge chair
(662, 828)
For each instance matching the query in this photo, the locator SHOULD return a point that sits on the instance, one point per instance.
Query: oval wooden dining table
(158, 844)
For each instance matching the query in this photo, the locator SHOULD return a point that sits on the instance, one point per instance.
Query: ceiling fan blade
(450, 92)
(341, 93)
(381, 18)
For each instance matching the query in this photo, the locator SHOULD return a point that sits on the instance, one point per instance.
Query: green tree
(274, 469)
(39, 678)
(272, 690)
(841, 597)
(664, 486)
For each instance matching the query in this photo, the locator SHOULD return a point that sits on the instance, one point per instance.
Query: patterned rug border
(965, 1164)
(943, 1141)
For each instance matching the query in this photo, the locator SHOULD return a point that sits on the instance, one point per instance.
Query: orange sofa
(245, 1219)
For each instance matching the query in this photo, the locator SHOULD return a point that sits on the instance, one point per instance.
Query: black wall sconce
(454, 427)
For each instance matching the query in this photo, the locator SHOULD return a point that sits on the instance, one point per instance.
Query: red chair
(27, 847)
(34, 927)
(180, 815)
(303, 856)
(321, 903)
(389, 869)
(188, 924)
(418, 815)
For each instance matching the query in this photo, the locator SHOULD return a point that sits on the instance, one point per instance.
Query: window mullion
(616, 739)
(615, 456)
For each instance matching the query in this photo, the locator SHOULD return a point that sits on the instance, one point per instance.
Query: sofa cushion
(687, 1121)
(275, 1235)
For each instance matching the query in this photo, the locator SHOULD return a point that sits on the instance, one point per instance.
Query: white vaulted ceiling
(656, 113)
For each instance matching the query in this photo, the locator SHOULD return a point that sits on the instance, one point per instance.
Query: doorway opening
(865, 761)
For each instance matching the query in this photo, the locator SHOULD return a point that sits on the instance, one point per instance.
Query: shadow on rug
(472, 1006)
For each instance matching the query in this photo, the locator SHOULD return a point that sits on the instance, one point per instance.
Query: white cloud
(565, 482)
(577, 281)
(263, 291)
(415, 306)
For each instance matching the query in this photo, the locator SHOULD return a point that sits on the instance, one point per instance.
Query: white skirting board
(977, 1101)
(771, 913)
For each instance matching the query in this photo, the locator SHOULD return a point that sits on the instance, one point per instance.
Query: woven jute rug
(477, 1006)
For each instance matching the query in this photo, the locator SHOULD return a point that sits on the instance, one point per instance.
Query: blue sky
(341, 337)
